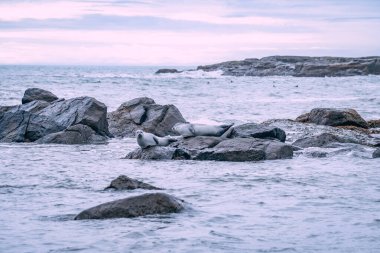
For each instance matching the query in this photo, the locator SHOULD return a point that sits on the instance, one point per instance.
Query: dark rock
(318, 141)
(77, 134)
(60, 115)
(123, 182)
(246, 149)
(258, 131)
(33, 94)
(376, 153)
(374, 123)
(159, 153)
(296, 130)
(167, 71)
(146, 204)
(298, 66)
(333, 117)
(145, 114)
(13, 126)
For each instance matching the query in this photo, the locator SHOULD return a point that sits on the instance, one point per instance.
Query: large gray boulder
(258, 131)
(123, 182)
(60, 115)
(77, 134)
(33, 94)
(333, 117)
(143, 113)
(146, 204)
(73, 121)
(246, 149)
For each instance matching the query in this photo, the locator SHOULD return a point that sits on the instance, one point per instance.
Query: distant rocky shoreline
(297, 66)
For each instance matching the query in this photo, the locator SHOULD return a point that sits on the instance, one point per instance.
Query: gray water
(303, 204)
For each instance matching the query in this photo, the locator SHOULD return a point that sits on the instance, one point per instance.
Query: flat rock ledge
(123, 182)
(298, 66)
(146, 204)
(217, 149)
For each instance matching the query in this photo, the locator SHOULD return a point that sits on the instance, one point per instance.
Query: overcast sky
(179, 32)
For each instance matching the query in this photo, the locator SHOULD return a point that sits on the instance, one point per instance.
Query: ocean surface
(303, 204)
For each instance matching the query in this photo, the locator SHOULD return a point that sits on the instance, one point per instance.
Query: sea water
(303, 204)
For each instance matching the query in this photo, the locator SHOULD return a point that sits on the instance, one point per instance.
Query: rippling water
(300, 205)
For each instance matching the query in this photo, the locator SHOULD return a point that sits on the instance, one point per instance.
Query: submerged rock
(333, 117)
(320, 140)
(146, 204)
(167, 71)
(123, 182)
(376, 153)
(375, 123)
(298, 66)
(144, 114)
(33, 94)
(258, 131)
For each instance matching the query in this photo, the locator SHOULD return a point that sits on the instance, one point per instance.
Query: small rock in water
(123, 182)
(167, 71)
(376, 153)
(146, 204)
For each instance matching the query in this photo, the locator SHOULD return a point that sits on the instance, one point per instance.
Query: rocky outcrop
(77, 134)
(73, 121)
(321, 140)
(299, 66)
(146, 204)
(376, 153)
(333, 117)
(217, 149)
(375, 123)
(123, 182)
(167, 71)
(143, 113)
(34, 94)
(312, 133)
(258, 131)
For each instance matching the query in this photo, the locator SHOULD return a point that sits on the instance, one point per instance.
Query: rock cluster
(299, 66)
(46, 119)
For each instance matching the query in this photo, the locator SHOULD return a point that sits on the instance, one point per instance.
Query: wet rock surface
(80, 120)
(146, 204)
(299, 66)
(376, 153)
(258, 131)
(123, 182)
(333, 117)
(143, 113)
(33, 94)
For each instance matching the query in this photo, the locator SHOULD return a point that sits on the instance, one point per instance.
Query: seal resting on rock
(191, 130)
(146, 140)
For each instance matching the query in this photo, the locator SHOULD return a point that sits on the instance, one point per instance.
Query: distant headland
(298, 66)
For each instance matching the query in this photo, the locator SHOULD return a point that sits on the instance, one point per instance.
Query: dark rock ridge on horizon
(298, 66)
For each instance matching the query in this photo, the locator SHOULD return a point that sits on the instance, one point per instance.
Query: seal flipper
(155, 140)
(225, 128)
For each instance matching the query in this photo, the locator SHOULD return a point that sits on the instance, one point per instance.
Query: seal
(146, 140)
(190, 130)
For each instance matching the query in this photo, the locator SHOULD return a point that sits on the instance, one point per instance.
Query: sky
(179, 32)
